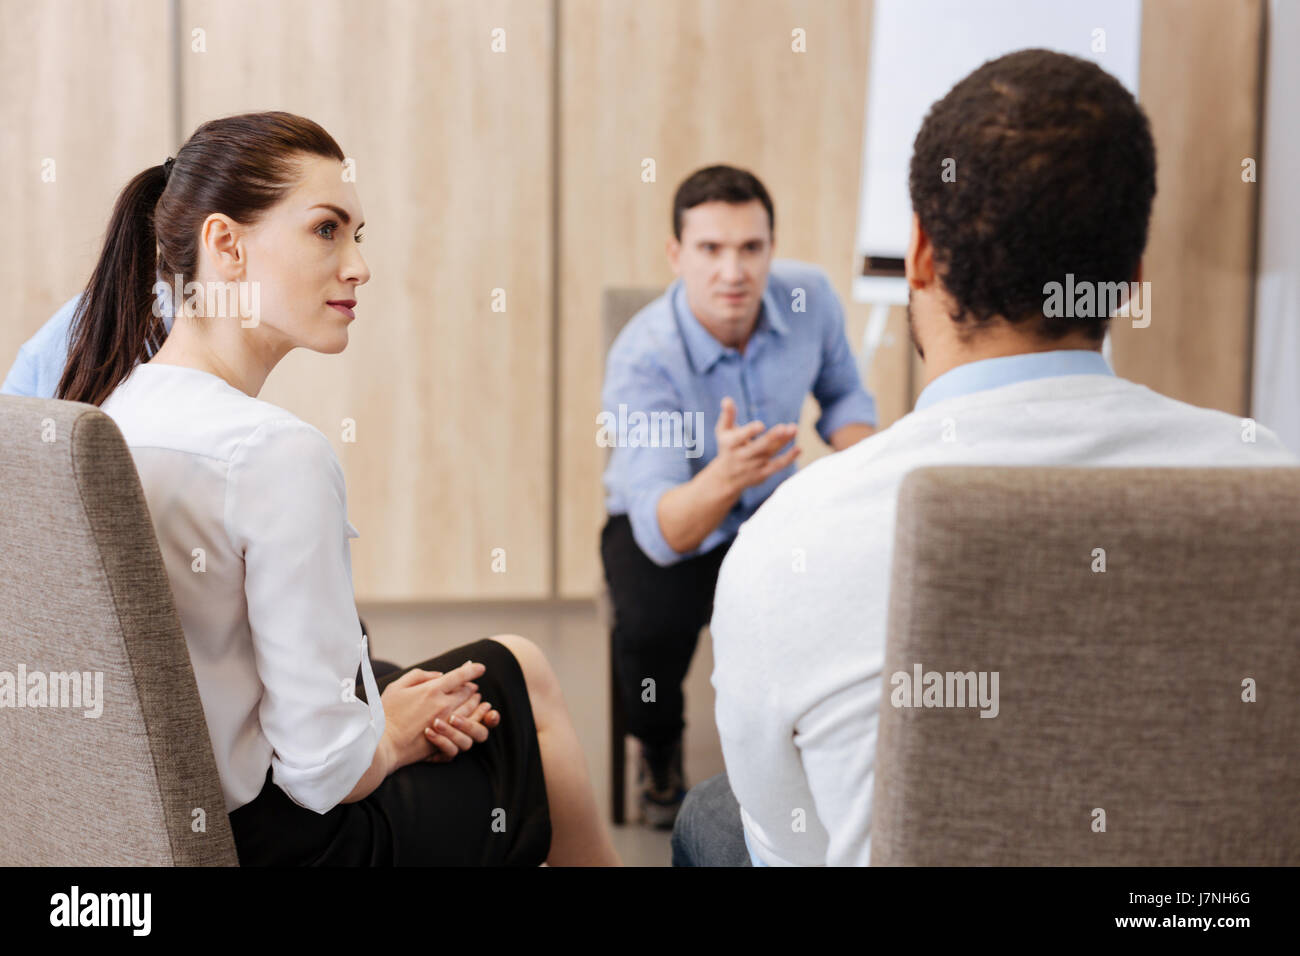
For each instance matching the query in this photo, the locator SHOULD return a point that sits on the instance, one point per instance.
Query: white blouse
(250, 510)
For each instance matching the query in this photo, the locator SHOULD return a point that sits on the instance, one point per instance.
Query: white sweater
(798, 653)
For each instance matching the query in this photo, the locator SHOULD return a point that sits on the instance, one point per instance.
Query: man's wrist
(716, 485)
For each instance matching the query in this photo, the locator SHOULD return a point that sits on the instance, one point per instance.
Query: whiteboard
(919, 50)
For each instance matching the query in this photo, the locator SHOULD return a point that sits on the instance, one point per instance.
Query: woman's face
(303, 255)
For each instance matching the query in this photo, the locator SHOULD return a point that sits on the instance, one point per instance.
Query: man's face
(723, 260)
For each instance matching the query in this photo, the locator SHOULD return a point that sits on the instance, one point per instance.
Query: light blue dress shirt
(42, 358)
(994, 373)
(666, 362)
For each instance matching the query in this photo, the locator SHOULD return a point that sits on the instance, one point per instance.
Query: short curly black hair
(1055, 173)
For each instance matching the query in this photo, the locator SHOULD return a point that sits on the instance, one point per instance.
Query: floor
(575, 642)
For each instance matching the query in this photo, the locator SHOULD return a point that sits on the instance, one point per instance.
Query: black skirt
(486, 807)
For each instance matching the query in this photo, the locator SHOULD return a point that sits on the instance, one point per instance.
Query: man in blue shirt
(741, 339)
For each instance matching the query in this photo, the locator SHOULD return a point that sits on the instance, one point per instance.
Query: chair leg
(617, 748)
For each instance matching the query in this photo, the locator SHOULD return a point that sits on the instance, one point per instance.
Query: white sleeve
(837, 745)
(286, 512)
(748, 628)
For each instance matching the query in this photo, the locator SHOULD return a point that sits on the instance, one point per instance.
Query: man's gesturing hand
(691, 511)
(747, 455)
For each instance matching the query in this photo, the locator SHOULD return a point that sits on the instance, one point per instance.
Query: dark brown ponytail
(239, 166)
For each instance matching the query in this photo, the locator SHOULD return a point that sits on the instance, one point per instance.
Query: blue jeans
(708, 831)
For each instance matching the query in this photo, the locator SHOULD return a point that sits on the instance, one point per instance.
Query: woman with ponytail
(468, 758)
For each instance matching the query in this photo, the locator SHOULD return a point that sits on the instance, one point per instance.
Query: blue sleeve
(21, 379)
(838, 388)
(639, 475)
(41, 359)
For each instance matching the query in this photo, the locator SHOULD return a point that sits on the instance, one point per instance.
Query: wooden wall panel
(691, 83)
(1199, 84)
(457, 449)
(453, 155)
(87, 83)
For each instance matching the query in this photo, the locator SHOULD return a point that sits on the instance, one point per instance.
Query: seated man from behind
(1055, 176)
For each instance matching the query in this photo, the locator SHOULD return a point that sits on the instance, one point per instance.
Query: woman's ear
(221, 240)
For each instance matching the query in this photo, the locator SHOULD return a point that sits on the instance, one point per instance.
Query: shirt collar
(704, 350)
(1010, 369)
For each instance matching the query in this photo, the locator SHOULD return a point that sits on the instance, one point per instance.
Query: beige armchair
(1124, 693)
(83, 592)
(618, 306)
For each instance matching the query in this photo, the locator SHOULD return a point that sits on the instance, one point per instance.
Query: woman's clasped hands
(434, 716)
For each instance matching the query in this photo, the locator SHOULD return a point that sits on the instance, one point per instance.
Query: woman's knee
(538, 675)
